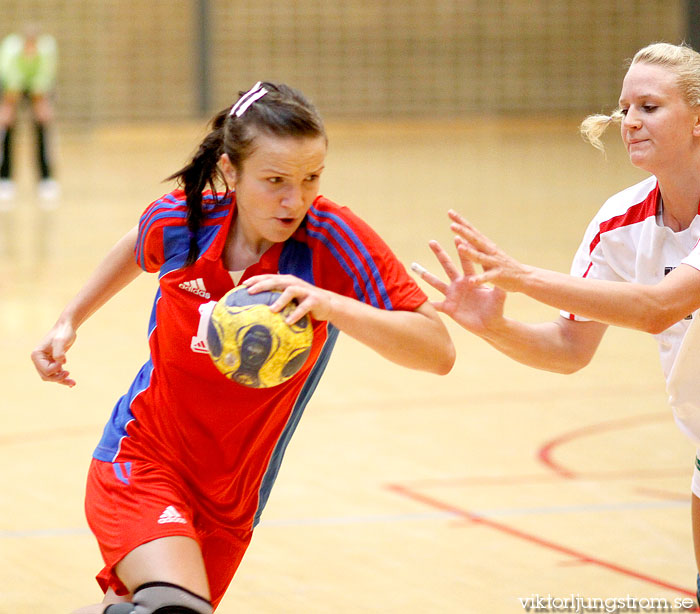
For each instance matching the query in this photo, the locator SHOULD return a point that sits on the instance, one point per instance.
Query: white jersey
(627, 241)
(693, 258)
(683, 384)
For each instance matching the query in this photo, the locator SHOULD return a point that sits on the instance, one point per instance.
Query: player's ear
(228, 170)
(696, 125)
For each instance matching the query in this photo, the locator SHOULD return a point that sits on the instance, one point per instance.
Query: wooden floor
(401, 492)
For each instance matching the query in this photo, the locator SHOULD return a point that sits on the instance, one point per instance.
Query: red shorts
(129, 504)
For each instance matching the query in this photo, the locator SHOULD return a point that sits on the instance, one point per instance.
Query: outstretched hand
(473, 306)
(498, 267)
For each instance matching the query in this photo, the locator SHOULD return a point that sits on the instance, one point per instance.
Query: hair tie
(254, 93)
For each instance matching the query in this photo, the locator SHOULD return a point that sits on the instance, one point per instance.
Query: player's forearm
(415, 339)
(115, 272)
(650, 308)
(544, 346)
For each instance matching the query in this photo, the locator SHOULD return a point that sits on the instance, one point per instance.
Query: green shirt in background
(35, 73)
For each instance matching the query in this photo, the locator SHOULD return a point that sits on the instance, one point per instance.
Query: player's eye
(649, 108)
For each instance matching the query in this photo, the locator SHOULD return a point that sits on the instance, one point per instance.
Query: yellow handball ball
(254, 346)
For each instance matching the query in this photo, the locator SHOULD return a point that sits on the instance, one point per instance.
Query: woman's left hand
(310, 300)
(499, 268)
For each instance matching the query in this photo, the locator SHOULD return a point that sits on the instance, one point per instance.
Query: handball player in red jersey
(188, 457)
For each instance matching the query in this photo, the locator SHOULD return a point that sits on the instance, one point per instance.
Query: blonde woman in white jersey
(644, 235)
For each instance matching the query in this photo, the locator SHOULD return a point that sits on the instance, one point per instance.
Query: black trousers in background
(42, 150)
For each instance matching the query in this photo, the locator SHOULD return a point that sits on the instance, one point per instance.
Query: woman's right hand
(117, 269)
(49, 357)
(475, 307)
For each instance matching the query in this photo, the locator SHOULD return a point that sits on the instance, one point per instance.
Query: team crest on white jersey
(170, 514)
(196, 286)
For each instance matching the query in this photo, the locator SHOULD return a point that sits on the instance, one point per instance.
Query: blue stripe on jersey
(355, 282)
(122, 471)
(166, 202)
(176, 243)
(329, 221)
(115, 429)
(295, 259)
(215, 216)
(170, 206)
(273, 466)
(143, 232)
(152, 322)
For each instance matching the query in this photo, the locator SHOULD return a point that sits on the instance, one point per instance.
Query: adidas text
(196, 286)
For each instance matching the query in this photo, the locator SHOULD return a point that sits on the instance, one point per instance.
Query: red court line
(666, 495)
(546, 450)
(532, 539)
(560, 472)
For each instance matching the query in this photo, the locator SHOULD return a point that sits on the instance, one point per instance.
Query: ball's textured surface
(254, 346)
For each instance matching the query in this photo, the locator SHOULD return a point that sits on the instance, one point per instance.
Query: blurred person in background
(27, 73)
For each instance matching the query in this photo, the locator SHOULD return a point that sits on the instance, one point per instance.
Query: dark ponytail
(281, 111)
(194, 177)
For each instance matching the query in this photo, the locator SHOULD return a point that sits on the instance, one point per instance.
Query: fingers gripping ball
(254, 346)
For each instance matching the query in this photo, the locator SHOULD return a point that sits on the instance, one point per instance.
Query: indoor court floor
(401, 492)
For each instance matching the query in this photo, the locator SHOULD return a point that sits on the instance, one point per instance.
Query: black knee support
(162, 598)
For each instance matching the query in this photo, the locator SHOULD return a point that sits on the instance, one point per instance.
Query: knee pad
(162, 598)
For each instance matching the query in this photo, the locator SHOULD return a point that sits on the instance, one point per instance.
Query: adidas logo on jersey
(170, 514)
(196, 286)
(199, 341)
(199, 345)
